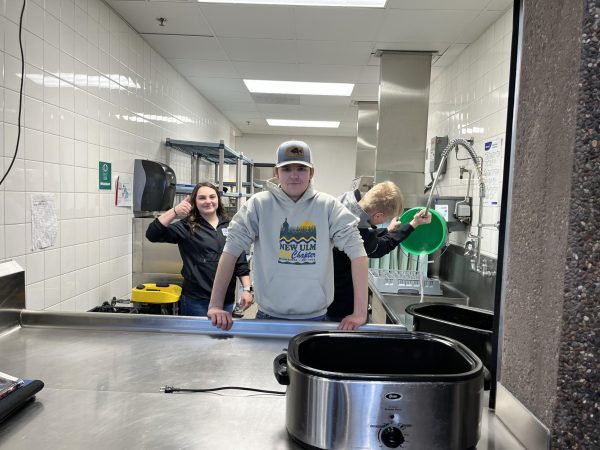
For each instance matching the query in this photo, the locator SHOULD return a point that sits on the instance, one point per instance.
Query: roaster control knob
(392, 437)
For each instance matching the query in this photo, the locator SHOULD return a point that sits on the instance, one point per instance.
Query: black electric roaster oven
(381, 390)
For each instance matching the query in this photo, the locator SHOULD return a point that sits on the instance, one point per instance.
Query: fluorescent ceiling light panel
(341, 3)
(303, 123)
(299, 87)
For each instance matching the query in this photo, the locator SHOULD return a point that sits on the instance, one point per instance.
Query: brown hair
(384, 197)
(194, 214)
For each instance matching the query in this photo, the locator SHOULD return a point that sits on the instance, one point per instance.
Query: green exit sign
(104, 175)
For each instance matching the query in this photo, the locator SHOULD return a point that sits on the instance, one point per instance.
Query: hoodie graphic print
(298, 244)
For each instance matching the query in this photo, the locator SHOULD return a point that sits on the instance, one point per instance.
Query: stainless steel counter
(103, 373)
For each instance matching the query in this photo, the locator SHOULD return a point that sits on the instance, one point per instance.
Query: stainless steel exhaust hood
(402, 130)
(366, 138)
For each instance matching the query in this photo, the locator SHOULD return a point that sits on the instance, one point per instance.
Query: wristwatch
(247, 289)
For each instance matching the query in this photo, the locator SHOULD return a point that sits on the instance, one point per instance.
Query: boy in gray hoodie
(294, 229)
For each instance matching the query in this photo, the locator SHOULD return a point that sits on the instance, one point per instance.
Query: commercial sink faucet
(472, 247)
(471, 252)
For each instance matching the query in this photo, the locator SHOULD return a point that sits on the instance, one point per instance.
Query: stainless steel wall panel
(153, 262)
(403, 109)
(410, 183)
(366, 138)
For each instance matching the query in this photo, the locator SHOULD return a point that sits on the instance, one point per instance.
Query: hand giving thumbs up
(184, 207)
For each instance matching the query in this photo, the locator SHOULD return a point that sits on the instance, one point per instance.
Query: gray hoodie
(348, 199)
(293, 243)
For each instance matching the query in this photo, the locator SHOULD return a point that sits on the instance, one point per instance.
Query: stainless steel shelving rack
(220, 155)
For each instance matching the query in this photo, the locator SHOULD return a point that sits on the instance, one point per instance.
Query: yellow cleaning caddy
(156, 293)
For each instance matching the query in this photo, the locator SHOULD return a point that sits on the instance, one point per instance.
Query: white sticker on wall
(443, 210)
(44, 223)
(492, 171)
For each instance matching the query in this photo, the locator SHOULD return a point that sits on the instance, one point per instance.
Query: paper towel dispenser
(153, 187)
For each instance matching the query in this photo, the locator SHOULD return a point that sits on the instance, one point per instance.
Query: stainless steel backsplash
(454, 268)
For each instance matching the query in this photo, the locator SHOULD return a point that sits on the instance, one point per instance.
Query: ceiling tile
(284, 111)
(199, 68)
(221, 84)
(260, 50)
(321, 52)
(186, 47)
(266, 71)
(374, 60)
(348, 125)
(223, 96)
(338, 24)
(329, 73)
(299, 72)
(237, 107)
(351, 114)
(434, 47)
(324, 100)
(475, 5)
(276, 99)
(303, 112)
(365, 98)
(243, 116)
(182, 18)
(250, 21)
(424, 26)
(366, 91)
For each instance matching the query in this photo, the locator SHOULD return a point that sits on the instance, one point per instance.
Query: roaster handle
(280, 369)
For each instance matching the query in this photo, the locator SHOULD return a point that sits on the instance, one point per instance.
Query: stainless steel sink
(395, 304)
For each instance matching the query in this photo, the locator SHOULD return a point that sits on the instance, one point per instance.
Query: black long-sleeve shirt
(200, 253)
(378, 242)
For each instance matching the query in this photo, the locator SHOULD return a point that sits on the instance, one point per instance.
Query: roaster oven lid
(382, 356)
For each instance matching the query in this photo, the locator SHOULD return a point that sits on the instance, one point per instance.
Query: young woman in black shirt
(200, 235)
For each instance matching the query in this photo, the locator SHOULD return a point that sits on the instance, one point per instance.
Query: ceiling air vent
(276, 99)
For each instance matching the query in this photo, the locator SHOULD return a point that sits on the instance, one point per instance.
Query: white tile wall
(469, 99)
(94, 91)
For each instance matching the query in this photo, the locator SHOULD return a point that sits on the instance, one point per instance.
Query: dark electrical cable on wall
(20, 94)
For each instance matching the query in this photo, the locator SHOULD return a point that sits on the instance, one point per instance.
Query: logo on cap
(294, 152)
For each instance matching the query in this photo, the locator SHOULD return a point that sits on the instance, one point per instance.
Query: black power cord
(171, 389)
(20, 93)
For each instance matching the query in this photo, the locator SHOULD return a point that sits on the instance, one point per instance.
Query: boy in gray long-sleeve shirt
(383, 203)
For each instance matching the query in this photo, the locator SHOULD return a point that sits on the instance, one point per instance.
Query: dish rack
(397, 281)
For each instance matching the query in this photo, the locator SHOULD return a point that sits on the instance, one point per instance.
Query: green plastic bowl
(427, 238)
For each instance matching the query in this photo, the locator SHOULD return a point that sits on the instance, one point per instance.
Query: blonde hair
(385, 198)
